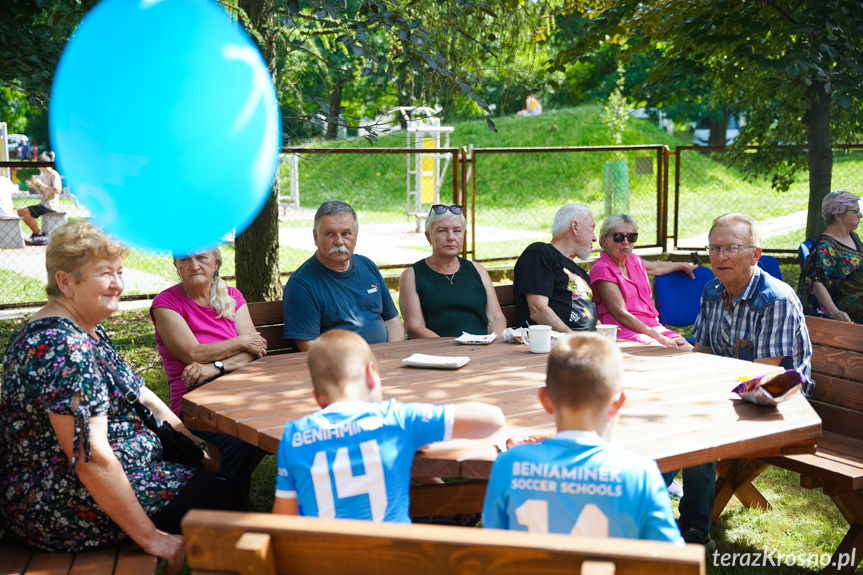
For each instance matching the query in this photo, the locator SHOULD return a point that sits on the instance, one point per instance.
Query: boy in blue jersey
(353, 458)
(576, 482)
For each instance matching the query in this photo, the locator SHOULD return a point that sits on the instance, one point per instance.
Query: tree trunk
(257, 255)
(335, 109)
(718, 128)
(817, 120)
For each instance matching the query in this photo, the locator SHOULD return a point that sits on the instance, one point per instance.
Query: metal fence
(511, 195)
(516, 192)
(708, 183)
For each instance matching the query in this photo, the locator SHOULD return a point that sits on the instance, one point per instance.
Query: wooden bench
(836, 466)
(506, 299)
(124, 559)
(263, 544)
(268, 317)
(11, 235)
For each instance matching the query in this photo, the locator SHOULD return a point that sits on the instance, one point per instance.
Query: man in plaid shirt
(748, 314)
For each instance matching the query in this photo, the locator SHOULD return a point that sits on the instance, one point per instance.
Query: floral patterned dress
(41, 498)
(840, 269)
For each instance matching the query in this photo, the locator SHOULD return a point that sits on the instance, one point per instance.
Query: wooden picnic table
(679, 410)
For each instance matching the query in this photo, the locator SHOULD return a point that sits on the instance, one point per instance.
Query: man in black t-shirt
(549, 287)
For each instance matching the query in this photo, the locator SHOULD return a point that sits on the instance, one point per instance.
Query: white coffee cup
(608, 331)
(540, 338)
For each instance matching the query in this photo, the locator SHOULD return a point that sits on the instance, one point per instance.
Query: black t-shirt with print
(543, 270)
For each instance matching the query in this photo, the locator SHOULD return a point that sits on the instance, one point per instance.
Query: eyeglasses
(441, 208)
(618, 238)
(727, 249)
(857, 211)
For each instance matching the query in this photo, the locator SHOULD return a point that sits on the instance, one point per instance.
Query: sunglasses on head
(619, 237)
(441, 208)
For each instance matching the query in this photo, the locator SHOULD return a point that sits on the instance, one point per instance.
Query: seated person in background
(549, 288)
(335, 289)
(832, 277)
(353, 459)
(621, 289)
(443, 294)
(532, 107)
(48, 185)
(203, 330)
(627, 494)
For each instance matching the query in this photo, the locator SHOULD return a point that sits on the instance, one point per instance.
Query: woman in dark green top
(443, 294)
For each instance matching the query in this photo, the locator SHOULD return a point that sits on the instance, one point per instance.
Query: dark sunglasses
(455, 208)
(619, 237)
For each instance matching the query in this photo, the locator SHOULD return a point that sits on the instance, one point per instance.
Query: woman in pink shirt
(621, 289)
(204, 330)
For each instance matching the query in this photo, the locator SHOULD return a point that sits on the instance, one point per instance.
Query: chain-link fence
(511, 195)
(708, 183)
(517, 191)
(387, 187)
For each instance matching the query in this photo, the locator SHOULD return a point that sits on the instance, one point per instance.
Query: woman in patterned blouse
(78, 468)
(831, 282)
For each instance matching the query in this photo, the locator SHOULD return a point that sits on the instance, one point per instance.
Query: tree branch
(782, 12)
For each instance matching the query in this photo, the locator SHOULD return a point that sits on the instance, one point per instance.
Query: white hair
(737, 218)
(566, 215)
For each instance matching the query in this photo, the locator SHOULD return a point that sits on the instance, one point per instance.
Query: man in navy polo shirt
(335, 289)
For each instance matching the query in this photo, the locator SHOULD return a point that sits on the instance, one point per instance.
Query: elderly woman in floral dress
(78, 467)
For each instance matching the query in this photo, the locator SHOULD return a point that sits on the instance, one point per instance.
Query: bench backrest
(268, 317)
(837, 368)
(230, 542)
(506, 299)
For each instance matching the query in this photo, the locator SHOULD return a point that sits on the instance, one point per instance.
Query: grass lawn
(801, 522)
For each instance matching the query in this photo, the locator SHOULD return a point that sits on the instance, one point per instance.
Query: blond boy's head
(341, 364)
(584, 370)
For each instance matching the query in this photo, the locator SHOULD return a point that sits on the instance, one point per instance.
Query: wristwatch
(220, 366)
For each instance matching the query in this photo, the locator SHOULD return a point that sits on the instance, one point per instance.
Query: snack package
(772, 388)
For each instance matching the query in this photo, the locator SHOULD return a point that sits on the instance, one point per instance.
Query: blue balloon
(164, 118)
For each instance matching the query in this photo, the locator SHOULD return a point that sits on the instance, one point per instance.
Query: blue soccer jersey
(577, 483)
(353, 459)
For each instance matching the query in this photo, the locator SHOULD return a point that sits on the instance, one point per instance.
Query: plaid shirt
(765, 321)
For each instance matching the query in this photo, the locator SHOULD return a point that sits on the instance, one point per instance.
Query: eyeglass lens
(441, 208)
(726, 249)
(619, 238)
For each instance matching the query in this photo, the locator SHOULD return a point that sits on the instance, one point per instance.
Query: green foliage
(33, 34)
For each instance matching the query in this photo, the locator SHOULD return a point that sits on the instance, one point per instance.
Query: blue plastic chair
(678, 298)
(803, 251)
(770, 265)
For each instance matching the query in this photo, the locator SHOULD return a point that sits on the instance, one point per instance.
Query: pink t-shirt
(635, 290)
(203, 323)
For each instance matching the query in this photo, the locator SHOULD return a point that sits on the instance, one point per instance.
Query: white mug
(608, 331)
(540, 338)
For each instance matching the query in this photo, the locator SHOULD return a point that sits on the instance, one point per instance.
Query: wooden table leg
(735, 477)
(850, 550)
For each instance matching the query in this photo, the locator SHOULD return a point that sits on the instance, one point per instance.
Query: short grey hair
(433, 218)
(566, 215)
(335, 208)
(737, 218)
(837, 203)
(611, 223)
